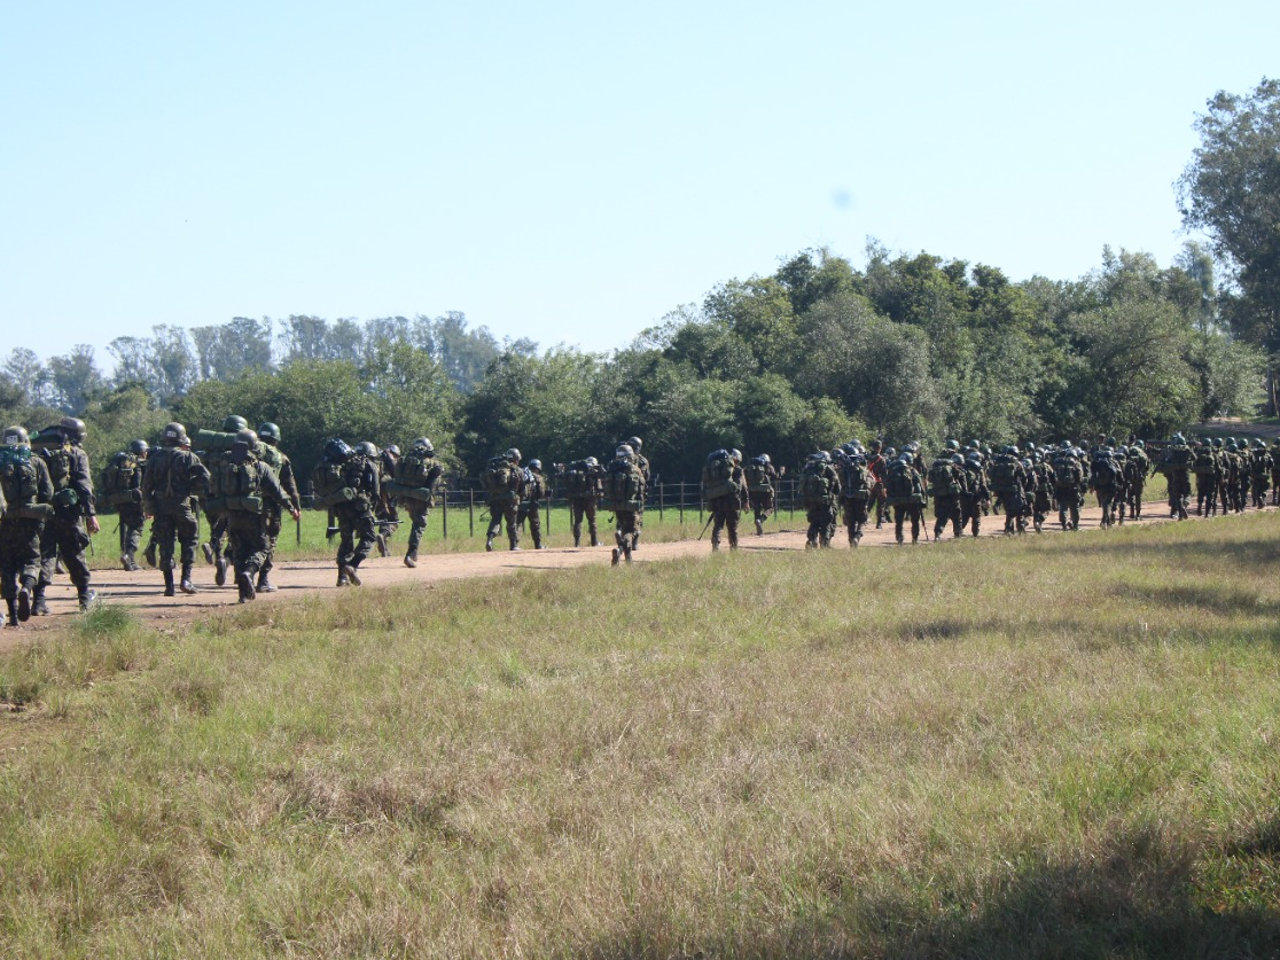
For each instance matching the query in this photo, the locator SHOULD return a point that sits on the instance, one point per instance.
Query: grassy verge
(1061, 746)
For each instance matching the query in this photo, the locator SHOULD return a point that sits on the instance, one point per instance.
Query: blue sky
(571, 172)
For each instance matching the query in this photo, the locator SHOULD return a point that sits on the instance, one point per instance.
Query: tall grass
(1059, 746)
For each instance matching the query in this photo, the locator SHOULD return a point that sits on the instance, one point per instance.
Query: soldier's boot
(617, 553)
(342, 577)
(207, 550)
(352, 575)
(595, 541)
(12, 606)
(168, 583)
(126, 562)
(488, 544)
(244, 581)
(577, 540)
(264, 584)
(150, 554)
(513, 541)
(38, 605)
(382, 545)
(411, 558)
(24, 603)
(184, 581)
(759, 527)
(220, 571)
(715, 542)
(58, 568)
(85, 598)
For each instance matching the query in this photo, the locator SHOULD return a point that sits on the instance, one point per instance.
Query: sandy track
(142, 589)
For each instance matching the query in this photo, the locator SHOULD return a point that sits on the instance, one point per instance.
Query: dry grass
(1058, 747)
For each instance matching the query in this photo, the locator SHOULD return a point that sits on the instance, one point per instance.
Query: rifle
(710, 517)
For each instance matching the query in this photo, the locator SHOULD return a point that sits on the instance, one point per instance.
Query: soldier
(622, 491)
(64, 536)
(122, 487)
(270, 453)
(856, 483)
(762, 488)
(1275, 472)
(1260, 464)
(174, 478)
(213, 547)
(503, 481)
(946, 482)
(531, 496)
(1175, 465)
(1008, 481)
(386, 513)
(642, 464)
(346, 482)
(417, 475)
(723, 486)
(879, 467)
(583, 482)
(26, 502)
(1068, 485)
(1136, 469)
(1208, 470)
(975, 493)
(906, 495)
(1105, 474)
(820, 490)
(242, 488)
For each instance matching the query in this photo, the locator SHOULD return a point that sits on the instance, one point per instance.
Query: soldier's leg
(717, 524)
(731, 521)
(418, 511)
(576, 510)
(535, 525)
(511, 512)
(185, 528)
(899, 515)
(273, 526)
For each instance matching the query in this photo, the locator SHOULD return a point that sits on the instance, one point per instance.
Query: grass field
(1059, 746)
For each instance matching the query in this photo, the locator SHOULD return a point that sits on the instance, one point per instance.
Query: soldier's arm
(289, 481)
(44, 483)
(83, 483)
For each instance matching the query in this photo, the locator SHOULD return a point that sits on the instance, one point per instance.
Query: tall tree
(1231, 189)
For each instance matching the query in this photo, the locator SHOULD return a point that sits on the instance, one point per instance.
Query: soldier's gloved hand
(295, 514)
(93, 525)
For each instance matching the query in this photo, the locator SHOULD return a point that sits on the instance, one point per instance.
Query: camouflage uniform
(65, 536)
(173, 480)
(26, 495)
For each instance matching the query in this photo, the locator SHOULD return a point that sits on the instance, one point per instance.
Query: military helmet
(72, 428)
(139, 447)
(336, 450)
(535, 464)
(1259, 443)
(247, 436)
(953, 444)
(16, 436)
(175, 434)
(624, 452)
(513, 453)
(635, 443)
(1217, 441)
(957, 459)
(392, 449)
(890, 452)
(268, 432)
(366, 448)
(764, 458)
(736, 454)
(234, 424)
(591, 462)
(423, 444)
(1177, 438)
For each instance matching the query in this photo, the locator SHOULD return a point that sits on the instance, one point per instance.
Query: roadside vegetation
(1058, 746)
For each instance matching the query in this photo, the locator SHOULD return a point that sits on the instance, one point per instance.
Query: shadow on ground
(1138, 898)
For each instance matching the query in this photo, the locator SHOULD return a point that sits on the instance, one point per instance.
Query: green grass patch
(1044, 746)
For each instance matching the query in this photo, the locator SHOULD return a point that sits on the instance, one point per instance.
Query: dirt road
(142, 589)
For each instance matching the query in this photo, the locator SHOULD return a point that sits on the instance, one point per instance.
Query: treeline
(908, 347)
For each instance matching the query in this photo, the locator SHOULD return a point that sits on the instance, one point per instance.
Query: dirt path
(142, 589)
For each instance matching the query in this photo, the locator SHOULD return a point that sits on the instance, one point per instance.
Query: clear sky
(571, 172)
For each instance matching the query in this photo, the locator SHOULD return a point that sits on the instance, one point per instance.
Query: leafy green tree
(1231, 189)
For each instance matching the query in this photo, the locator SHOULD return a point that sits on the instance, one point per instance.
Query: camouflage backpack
(235, 486)
(1106, 473)
(19, 480)
(623, 486)
(1205, 464)
(942, 478)
(501, 480)
(1067, 473)
(759, 480)
(578, 480)
(119, 479)
(717, 476)
(857, 480)
(900, 483)
(1004, 473)
(59, 459)
(815, 484)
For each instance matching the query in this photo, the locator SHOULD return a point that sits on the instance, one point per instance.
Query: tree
(75, 379)
(1231, 189)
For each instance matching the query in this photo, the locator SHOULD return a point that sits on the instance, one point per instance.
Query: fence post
(471, 512)
(444, 515)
